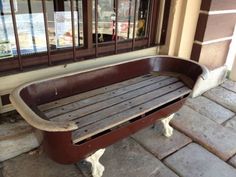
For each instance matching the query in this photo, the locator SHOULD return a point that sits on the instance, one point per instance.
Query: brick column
(214, 32)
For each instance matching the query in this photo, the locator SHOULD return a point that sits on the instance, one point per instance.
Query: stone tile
(232, 161)
(127, 158)
(231, 124)
(17, 138)
(209, 109)
(214, 137)
(195, 161)
(223, 96)
(231, 85)
(160, 145)
(38, 165)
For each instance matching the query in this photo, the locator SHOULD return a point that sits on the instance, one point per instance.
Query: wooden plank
(106, 103)
(124, 116)
(91, 93)
(101, 97)
(122, 107)
(115, 100)
(122, 92)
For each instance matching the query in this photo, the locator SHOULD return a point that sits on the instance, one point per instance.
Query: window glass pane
(29, 23)
(125, 20)
(106, 20)
(7, 39)
(79, 28)
(60, 26)
(142, 18)
(30, 26)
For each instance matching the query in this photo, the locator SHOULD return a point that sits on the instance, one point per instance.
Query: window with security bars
(120, 20)
(50, 32)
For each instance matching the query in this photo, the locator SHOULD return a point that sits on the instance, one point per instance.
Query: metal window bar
(31, 25)
(116, 32)
(46, 31)
(16, 34)
(165, 21)
(73, 28)
(150, 22)
(96, 27)
(134, 25)
(78, 25)
(130, 2)
(29, 6)
(147, 17)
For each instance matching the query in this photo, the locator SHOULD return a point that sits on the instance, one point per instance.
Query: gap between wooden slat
(114, 101)
(112, 121)
(68, 100)
(122, 107)
(112, 95)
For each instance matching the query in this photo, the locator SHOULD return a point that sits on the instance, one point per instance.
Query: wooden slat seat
(91, 93)
(81, 100)
(105, 108)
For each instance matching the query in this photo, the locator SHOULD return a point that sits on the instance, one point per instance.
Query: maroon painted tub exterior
(57, 136)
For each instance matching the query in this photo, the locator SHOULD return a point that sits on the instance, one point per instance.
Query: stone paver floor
(203, 145)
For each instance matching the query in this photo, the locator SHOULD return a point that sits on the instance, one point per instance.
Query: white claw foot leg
(168, 130)
(97, 167)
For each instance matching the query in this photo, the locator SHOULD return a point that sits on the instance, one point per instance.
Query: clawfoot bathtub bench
(80, 113)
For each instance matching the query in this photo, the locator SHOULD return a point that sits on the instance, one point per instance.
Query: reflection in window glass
(106, 21)
(59, 23)
(142, 17)
(125, 21)
(7, 39)
(31, 28)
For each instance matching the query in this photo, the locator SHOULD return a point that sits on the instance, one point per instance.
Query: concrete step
(17, 138)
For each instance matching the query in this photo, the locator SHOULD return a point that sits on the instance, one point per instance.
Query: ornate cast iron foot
(97, 167)
(168, 130)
